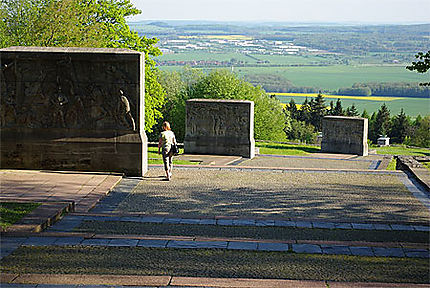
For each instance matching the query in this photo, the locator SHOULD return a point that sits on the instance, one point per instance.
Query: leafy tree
(365, 114)
(373, 136)
(302, 131)
(338, 110)
(421, 66)
(351, 111)
(82, 23)
(382, 121)
(318, 111)
(178, 88)
(420, 136)
(292, 108)
(400, 127)
(305, 111)
(269, 119)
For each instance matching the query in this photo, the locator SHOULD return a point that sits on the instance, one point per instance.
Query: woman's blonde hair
(166, 125)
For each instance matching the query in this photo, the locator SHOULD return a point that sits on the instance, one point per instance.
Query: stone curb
(253, 222)
(177, 281)
(281, 169)
(306, 247)
(40, 218)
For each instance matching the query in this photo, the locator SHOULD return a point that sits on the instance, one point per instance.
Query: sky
(330, 11)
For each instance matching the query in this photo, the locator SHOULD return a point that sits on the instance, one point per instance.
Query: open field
(411, 106)
(338, 76)
(342, 97)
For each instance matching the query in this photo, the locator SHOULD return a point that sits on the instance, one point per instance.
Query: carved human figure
(125, 111)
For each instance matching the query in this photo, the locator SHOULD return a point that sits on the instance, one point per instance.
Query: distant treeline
(400, 89)
(275, 83)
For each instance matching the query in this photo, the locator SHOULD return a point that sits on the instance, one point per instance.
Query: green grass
(285, 149)
(411, 106)
(251, 232)
(392, 164)
(155, 158)
(426, 164)
(338, 76)
(11, 213)
(220, 263)
(402, 150)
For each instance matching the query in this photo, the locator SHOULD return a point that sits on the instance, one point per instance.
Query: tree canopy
(269, 119)
(422, 65)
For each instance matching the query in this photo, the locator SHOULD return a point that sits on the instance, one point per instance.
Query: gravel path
(296, 162)
(350, 197)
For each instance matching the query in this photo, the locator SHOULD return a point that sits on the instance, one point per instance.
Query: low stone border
(182, 242)
(281, 169)
(409, 164)
(40, 218)
(73, 221)
(177, 281)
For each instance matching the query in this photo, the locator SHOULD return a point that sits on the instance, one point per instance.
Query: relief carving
(59, 93)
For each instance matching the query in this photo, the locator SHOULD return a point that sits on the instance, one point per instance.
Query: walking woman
(166, 141)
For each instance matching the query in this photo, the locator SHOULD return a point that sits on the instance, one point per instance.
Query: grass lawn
(402, 150)
(155, 158)
(214, 263)
(392, 165)
(251, 232)
(286, 149)
(11, 213)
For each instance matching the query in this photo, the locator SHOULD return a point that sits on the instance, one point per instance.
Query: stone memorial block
(346, 135)
(73, 109)
(220, 127)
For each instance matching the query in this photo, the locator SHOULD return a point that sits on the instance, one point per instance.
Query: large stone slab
(345, 135)
(220, 127)
(73, 109)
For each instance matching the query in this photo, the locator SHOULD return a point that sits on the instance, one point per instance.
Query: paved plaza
(315, 227)
(359, 197)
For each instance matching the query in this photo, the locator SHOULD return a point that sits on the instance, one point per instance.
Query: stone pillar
(73, 109)
(220, 127)
(345, 135)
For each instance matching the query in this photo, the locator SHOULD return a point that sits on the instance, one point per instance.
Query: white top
(167, 138)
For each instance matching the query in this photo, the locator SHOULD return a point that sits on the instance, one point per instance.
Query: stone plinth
(383, 141)
(220, 127)
(73, 109)
(346, 135)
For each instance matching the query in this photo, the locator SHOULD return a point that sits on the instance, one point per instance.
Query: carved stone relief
(66, 92)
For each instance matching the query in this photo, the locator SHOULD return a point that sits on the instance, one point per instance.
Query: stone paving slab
(244, 283)
(332, 284)
(70, 279)
(68, 223)
(308, 162)
(62, 281)
(306, 248)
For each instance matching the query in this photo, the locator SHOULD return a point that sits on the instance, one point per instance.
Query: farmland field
(329, 77)
(411, 106)
(338, 76)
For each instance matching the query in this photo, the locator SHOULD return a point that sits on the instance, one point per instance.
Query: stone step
(179, 242)
(237, 221)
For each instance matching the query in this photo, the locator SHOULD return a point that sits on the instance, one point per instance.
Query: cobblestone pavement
(253, 198)
(309, 162)
(352, 197)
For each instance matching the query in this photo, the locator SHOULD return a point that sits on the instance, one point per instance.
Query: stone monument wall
(344, 135)
(73, 109)
(220, 127)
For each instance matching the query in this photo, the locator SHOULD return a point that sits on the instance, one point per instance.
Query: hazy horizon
(286, 11)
